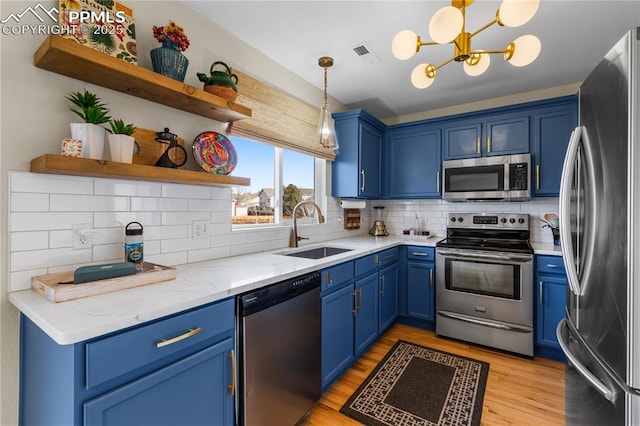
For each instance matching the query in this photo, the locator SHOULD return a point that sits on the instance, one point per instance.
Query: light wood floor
(519, 391)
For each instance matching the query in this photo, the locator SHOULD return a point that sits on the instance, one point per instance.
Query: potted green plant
(90, 109)
(121, 141)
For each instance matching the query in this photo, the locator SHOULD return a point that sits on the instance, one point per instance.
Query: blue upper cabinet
(414, 162)
(483, 136)
(552, 127)
(357, 169)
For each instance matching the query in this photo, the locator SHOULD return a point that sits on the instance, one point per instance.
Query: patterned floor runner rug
(416, 385)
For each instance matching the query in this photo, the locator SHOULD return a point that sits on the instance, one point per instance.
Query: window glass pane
(253, 204)
(298, 185)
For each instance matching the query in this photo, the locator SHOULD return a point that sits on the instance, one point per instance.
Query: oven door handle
(510, 257)
(486, 323)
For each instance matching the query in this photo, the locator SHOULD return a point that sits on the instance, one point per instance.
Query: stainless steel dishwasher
(279, 352)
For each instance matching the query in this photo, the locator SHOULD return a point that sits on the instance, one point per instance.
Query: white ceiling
(575, 35)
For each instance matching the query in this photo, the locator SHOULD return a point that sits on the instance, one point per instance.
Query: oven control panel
(488, 220)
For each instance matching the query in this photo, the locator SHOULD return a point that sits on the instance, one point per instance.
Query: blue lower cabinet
(550, 298)
(388, 296)
(366, 315)
(421, 290)
(192, 391)
(175, 370)
(337, 332)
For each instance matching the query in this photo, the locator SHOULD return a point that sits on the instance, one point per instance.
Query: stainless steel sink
(318, 252)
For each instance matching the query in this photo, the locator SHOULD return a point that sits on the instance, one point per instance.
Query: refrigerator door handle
(568, 170)
(609, 394)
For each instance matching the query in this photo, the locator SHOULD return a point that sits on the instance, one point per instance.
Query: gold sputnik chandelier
(448, 26)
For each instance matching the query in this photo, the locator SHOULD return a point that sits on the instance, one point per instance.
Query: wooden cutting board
(148, 149)
(49, 285)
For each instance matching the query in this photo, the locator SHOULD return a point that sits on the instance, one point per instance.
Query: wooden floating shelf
(66, 57)
(62, 165)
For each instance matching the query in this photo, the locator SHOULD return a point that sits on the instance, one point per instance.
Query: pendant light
(326, 133)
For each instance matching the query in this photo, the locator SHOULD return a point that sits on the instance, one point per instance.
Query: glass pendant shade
(446, 24)
(477, 64)
(526, 50)
(419, 77)
(403, 45)
(326, 132)
(514, 13)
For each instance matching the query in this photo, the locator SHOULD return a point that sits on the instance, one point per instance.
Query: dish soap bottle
(134, 244)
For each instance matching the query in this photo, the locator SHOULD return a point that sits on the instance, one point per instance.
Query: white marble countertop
(196, 284)
(546, 248)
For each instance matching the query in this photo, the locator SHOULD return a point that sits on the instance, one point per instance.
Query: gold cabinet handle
(488, 143)
(431, 278)
(540, 301)
(419, 254)
(377, 259)
(328, 277)
(383, 286)
(537, 177)
(391, 256)
(553, 265)
(438, 181)
(360, 307)
(362, 176)
(355, 302)
(167, 342)
(232, 386)
(478, 145)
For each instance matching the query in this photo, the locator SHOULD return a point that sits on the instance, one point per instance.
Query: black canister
(134, 244)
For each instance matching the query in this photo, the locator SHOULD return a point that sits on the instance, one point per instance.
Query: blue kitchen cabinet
(388, 288)
(552, 127)
(142, 375)
(420, 302)
(337, 329)
(487, 135)
(550, 300)
(357, 169)
(414, 161)
(366, 302)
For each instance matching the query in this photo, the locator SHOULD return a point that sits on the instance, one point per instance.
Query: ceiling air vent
(365, 53)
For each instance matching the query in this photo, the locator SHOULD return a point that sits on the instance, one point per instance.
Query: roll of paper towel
(353, 204)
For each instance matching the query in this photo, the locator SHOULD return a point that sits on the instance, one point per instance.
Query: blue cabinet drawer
(366, 265)
(387, 257)
(336, 277)
(550, 264)
(421, 253)
(125, 352)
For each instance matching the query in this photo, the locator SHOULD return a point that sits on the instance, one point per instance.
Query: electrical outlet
(201, 229)
(81, 236)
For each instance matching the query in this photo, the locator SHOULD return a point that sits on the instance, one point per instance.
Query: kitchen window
(280, 178)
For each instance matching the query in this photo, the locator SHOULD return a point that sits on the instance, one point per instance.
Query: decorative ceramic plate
(214, 153)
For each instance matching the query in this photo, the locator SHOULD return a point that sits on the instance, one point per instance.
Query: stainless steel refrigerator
(600, 238)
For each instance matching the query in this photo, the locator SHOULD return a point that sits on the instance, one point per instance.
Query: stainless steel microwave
(500, 178)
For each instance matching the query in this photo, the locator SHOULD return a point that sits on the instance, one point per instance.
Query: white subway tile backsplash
(168, 259)
(57, 184)
(140, 204)
(151, 248)
(127, 187)
(22, 241)
(183, 218)
(170, 190)
(108, 253)
(208, 254)
(184, 244)
(207, 206)
(36, 259)
(88, 203)
(28, 202)
(59, 239)
(245, 249)
(22, 280)
(166, 232)
(121, 219)
(40, 221)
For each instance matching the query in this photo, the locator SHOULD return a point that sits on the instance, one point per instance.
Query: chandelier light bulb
(446, 24)
(326, 133)
(477, 64)
(514, 13)
(404, 44)
(419, 77)
(526, 49)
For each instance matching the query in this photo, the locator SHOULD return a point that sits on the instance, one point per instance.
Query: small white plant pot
(92, 137)
(121, 148)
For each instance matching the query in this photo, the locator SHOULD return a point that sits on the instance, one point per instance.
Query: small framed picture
(72, 147)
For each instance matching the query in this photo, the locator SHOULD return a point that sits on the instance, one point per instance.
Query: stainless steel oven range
(484, 281)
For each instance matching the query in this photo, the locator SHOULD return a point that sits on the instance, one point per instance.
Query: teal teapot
(220, 83)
